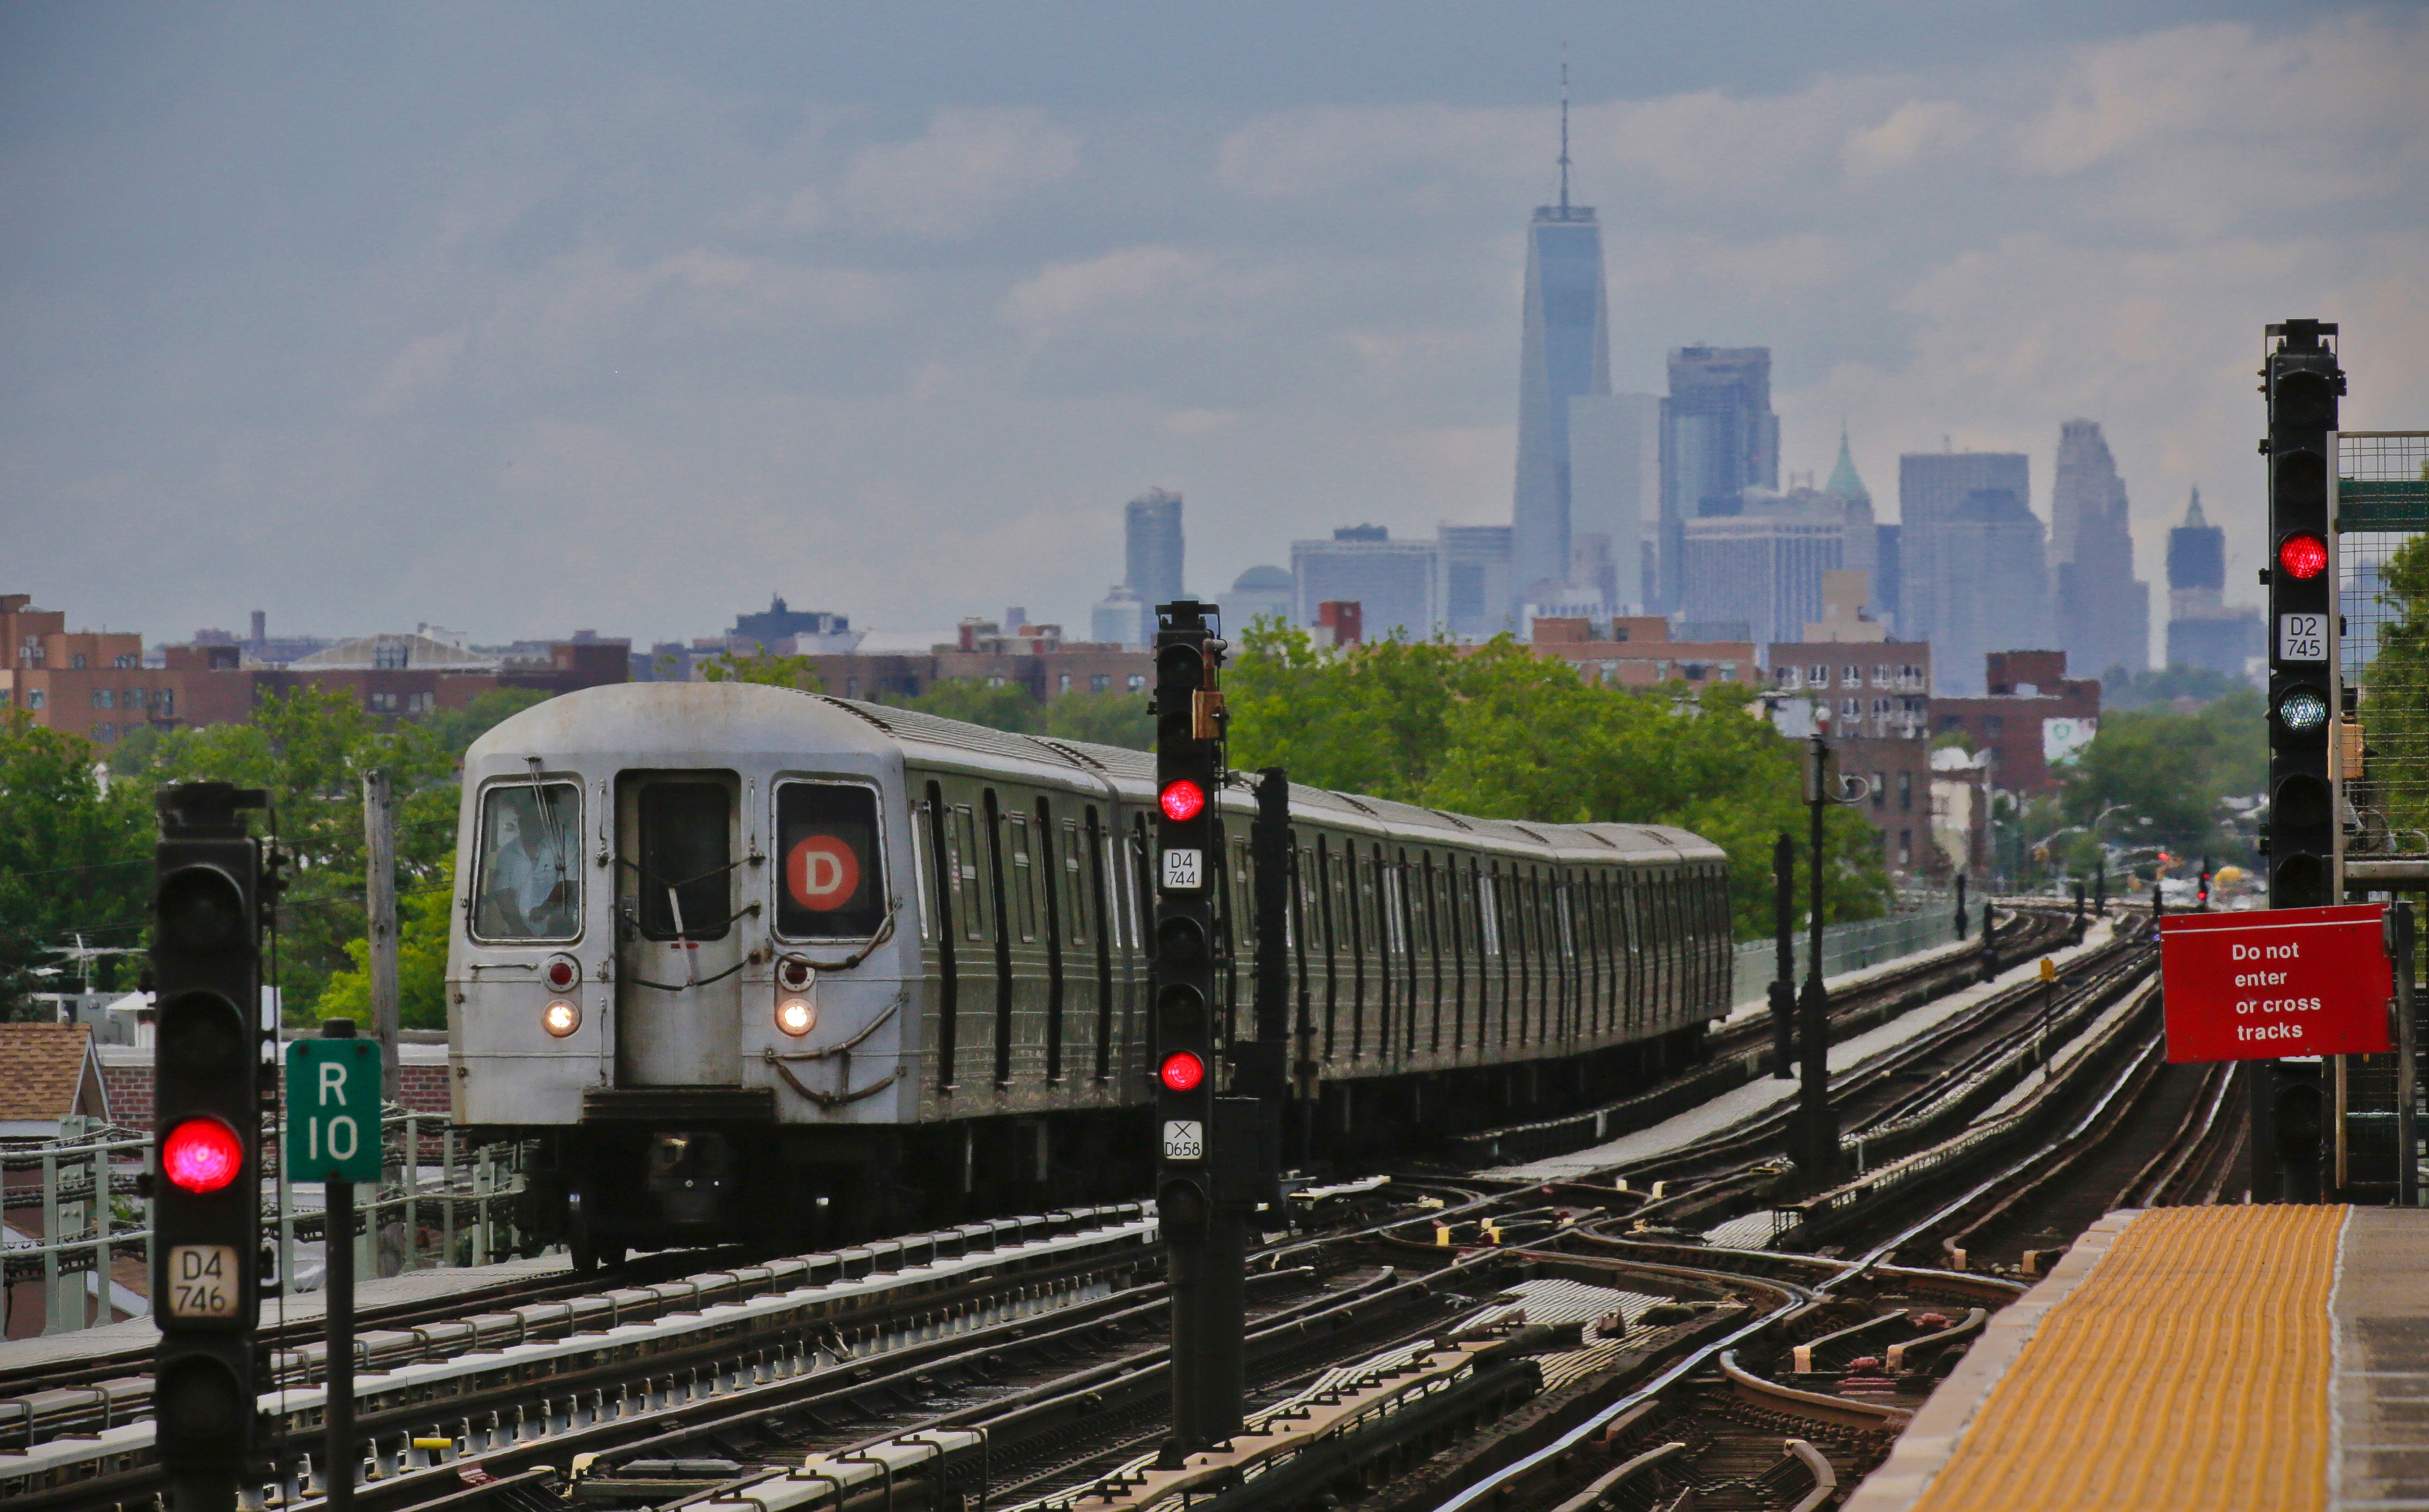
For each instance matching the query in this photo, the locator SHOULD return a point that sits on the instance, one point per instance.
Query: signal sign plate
(332, 1110)
(202, 1281)
(1184, 1138)
(1185, 869)
(2302, 638)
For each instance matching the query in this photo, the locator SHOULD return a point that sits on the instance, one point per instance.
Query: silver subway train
(758, 964)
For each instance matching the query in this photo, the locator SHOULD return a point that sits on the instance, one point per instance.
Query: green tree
(1500, 732)
(74, 859)
(1106, 718)
(2167, 769)
(998, 706)
(454, 730)
(424, 921)
(2162, 686)
(2394, 709)
(309, 748)
(771, 671)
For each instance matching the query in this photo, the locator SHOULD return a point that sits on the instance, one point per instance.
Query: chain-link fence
(1920, 921)
(2383, 660)
(78, 1230)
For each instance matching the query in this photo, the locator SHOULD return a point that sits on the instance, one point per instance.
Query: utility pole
(1783, 984)
(379, 904)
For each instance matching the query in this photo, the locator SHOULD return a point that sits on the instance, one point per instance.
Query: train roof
(670, 722)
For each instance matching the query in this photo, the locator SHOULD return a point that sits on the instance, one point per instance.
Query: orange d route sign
(2280, 982)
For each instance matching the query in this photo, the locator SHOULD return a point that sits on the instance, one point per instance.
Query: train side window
(1488, 918)
(687, 862)
(968, 894)
(832, 881)
(1024, 878)
(530, 885)
(947, 884)
(1075, 887)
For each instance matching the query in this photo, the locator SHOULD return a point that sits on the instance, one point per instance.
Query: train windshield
(528, 888)
(833, 884)
(686, 869)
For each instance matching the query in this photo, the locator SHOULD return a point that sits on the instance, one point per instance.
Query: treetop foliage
(1500, 732)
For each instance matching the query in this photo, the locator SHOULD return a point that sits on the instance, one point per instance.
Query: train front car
(682, 921)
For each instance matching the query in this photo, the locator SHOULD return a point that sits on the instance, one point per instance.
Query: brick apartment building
(1879, 693)
(94, 683)
(2034, 716)
(1036, 657)
(86, 682)
(1638, 652)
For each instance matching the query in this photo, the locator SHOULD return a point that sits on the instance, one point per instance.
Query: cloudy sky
(521, 318)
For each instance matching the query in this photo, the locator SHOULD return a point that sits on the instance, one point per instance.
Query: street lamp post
(1783, 985)
(1817, 1145)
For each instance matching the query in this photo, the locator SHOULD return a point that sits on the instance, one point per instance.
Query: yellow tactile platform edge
(2185, 1367)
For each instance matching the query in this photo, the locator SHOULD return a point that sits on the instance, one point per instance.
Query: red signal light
(1182, 800)
(1181, 1072)
(201, 1155)
(2303, 556)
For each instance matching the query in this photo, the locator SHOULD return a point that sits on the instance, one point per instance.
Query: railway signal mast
(1204, 1223)
(211, 1090)
(2303, 382)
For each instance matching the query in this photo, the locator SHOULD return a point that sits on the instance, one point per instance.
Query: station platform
(2229, 1358)
(1755, 1098)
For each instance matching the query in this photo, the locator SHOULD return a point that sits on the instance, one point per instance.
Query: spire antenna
(1564, 129)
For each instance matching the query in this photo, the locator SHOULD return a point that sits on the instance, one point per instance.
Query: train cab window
(530, 885)
(832, 883)
(687, 862)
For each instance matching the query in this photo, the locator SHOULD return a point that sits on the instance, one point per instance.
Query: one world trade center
(1564, 352)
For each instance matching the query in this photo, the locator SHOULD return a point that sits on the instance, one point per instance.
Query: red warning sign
(822, 873)
(2282, 982)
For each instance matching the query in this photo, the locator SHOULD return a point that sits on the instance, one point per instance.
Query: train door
(681, 942)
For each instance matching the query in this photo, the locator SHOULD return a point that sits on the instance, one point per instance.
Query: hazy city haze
(522, 319)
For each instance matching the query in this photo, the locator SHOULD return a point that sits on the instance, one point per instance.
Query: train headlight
(561, 973)
(561, 1017)
(797, 1016)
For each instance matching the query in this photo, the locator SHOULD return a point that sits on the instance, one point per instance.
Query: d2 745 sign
(2281, 982)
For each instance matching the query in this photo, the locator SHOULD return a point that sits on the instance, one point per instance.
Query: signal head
(2303, 555)
(1181, 666)
(1181, 801)
(201, 908)
(201, 1156)
(2301, 710)
(1181, 1072)
(1180, 940)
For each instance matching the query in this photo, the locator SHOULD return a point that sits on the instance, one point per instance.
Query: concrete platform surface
(2232, 1358)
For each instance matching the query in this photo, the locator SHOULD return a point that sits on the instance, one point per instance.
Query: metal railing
(1920, 921)
(442, 1200)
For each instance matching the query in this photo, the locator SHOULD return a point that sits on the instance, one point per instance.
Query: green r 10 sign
(332, 1110)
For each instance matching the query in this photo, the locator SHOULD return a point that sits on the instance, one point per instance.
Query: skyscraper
(1152, 546)
(2104, 615)
(2202, 629)
(1719, 437)
(1393, 581)
(1961, 585)
(1564, 351)
(1614, 477)
(1474, 596)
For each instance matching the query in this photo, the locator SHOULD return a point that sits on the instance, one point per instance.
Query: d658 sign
(2282, 982)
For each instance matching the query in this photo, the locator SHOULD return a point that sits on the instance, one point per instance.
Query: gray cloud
(630, 342)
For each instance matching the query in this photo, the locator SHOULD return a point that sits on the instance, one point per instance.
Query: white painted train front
(759, 963)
